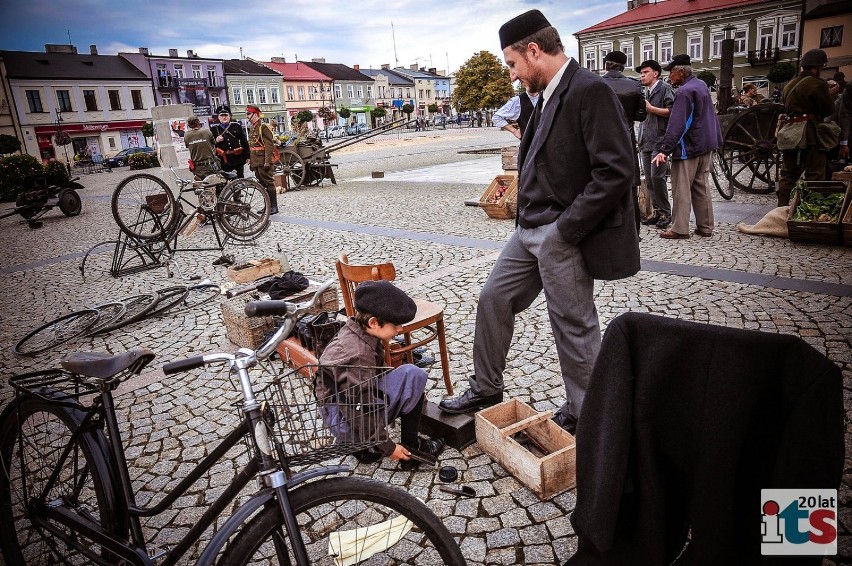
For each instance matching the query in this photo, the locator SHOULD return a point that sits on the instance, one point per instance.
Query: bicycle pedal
(155, 553)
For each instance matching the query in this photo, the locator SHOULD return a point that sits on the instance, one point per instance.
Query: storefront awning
(93, 128)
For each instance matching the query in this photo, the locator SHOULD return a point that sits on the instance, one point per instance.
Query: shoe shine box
(529, 445)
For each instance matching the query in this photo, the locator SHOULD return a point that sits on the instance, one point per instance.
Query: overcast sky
(432, 33)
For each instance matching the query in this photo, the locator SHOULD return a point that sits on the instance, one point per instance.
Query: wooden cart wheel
(294, 166)
(750, 148)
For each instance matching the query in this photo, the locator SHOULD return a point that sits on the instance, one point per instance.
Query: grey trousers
(655, 180)
(691, 189)
(532, 260)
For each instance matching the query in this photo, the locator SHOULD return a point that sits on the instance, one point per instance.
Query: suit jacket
(683, 424)
(234, 145)
(631, 95)
(576, 168)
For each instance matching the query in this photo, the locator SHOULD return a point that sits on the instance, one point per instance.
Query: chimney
(432, 70)
(143, 50)
(278, 60)
(93, 49)
(190, 53)
(356, 67)
(57, 48)
(173, 53)
(386, 66)
(318, 60)
(413, 66)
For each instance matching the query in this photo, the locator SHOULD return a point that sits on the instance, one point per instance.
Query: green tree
(780, 73)
(377, 113)
(148, 131)
(326, 113)
(708, 78)
(482, 82)
(9, 144)
(345, 113)
(433, 108)
(407, 109)
(304, 117)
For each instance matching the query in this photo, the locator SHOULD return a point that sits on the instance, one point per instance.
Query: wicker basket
(244, 331)
(498, 207)
(812, 232)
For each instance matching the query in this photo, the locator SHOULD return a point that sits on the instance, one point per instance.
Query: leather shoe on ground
(468, 401)
(664, 221)
(428, 447)
(670, 235)
(368, 456)
(566, 422)
(703, 234)
(651, 220)
(273, 210)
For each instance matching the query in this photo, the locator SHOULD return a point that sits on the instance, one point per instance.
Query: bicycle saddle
(103, 366)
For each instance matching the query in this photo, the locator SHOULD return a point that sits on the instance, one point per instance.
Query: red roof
(296, 71)
(666, 9)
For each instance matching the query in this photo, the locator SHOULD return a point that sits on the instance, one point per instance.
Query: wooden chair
(429, 317)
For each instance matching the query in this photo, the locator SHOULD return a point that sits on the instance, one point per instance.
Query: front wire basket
(314, 418)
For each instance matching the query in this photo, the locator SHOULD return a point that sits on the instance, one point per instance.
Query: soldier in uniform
(262, 151)
(200, 143)
(806, 99)
(231, 143)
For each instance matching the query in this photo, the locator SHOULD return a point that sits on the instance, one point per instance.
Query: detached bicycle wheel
(719, 172)
(109, 313)
(57, 332)
(138, 307)
(361, 519)
(167, 299)
(143, 207)
(197, 296)
(243, 209)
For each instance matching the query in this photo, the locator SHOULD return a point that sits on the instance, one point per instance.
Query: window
(290, 93)
(831, 37)
(789, 35)
(766, 36)
(627, 49)
(740, 41)
(237, 95)
(695, 47)
(196, 71)
(428, 93)
(338, 93)
(301, 91)
(590, 59)
(90, 100)
(407, 92)
(360, 90)
(136, 95)
(261, 95)
(420, 93)
(211, 76)
(63, 98)
(400, 93)
(111, 141)
(369, 91)
(114, 100)
(179, 70)
(604, 51)
(250, 94)
(350, 91)
(381, 92)
(647, 51)
(273, 95)
(162, 74)
(167, 99)
(34, 101)
(215, 101)
(665, 51)
(716, 38)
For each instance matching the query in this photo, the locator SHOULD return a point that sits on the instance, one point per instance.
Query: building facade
(100, 101)
(250, 82)
(392, 90)
(765, 32)
(304, 89)
(352, 89)
(828, 26)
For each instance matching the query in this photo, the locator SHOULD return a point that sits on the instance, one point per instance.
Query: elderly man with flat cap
(575, 218)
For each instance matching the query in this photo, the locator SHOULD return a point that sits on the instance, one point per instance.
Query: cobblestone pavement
(443, 251)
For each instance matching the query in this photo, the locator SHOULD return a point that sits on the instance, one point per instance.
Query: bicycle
(66, 494)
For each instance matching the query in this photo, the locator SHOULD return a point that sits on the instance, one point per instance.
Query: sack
(828, 135)
(646, 206)
(792, 136)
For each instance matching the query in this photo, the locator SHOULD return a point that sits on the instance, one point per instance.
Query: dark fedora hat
(521, 27)
(616, 57)
(651, 64)
(678, 60)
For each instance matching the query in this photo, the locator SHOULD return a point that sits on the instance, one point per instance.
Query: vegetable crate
(495, 200)
(811, 231)
(846, 224)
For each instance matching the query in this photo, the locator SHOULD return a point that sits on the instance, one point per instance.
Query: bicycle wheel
(197, 296)
(243, 209)
(393, 527)
(57, 332)
(32, 439)
(143, 207)
(719, 172)
(167, 299)
(108, 314)
(138, 307)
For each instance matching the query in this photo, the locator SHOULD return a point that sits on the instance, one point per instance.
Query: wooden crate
(254, 270)
(509, 157)
(244, 331)
(547, 473)
(812, 232)
(498, 207)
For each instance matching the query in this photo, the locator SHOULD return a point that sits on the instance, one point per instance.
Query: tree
(433, 108)
(345, 113)
(148, 131)
(482, 82)
(780, 73)
(708, 78)
(9, 144)
(407, 109)
(377, 113)
(326, 113)
(304, 117)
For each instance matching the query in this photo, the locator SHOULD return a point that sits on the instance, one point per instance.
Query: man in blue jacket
(692, 134)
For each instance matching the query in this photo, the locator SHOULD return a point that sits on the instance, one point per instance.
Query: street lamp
(64, 145)
(726, 69)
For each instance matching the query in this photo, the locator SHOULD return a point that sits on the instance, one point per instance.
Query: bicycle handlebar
(183, 365)
(284, 308)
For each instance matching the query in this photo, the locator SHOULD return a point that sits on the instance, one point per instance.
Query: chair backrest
(350, 276)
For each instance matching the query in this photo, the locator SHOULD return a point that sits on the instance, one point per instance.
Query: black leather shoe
(468, 401)
(566, 422)
(427, 449)
(368, 456)
(273, 210)
(652, 220)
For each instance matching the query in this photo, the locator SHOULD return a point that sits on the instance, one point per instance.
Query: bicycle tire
(198, 295)
(108, 313)
(144, 207)
(718, 170)
(243, 209)
(138, 306)
(56, 332)
(33, 434)
(167, 299)
(360, 500)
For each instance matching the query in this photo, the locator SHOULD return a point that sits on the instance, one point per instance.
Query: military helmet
(814, 58)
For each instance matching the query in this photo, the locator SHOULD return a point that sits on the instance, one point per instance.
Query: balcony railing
(170, 82)
(763, 56)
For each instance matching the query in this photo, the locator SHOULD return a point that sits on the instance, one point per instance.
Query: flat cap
(678, 60)
(651, 64)
(616, 57)
(521, 27)
(385, 301)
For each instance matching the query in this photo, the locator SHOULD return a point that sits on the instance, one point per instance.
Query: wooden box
(545, 463)
(509, 157)
(254, 270)
(812, 232)
(244, 331)
(494, 200)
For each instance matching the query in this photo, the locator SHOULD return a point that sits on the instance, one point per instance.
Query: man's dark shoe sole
(468, 402)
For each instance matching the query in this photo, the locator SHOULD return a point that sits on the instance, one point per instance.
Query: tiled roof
(338, 71)
(246, 67)
(297, 71)
(39, 65)
(666, 9)
(394, 79)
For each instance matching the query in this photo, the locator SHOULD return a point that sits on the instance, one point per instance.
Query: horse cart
(749, 158)
(307, 164)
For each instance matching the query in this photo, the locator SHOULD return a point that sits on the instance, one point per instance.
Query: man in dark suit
(575, 218)
(231, 142)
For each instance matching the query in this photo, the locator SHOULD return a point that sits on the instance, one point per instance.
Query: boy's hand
(400, 453)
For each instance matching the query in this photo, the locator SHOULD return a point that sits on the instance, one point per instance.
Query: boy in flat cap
(381, 310)
(576, 218)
